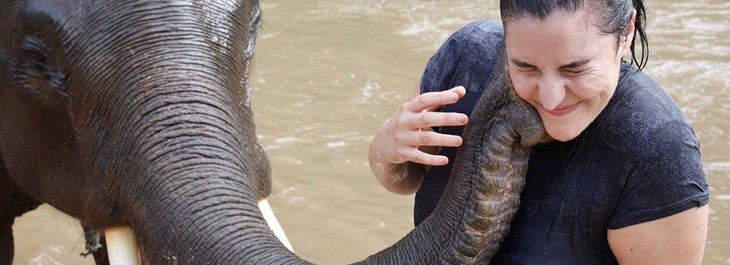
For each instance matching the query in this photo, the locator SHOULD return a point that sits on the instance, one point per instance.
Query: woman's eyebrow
(575, 64)
(570, 65)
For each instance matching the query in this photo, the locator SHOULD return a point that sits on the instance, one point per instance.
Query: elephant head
(137, 112)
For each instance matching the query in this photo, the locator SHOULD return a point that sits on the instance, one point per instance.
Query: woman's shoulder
(477, 39)
(466, 58)
(477, 30)
(478, 36)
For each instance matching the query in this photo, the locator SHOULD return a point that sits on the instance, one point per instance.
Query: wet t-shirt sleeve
(665, 173)
(665, 180)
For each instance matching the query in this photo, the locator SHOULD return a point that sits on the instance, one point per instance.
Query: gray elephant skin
(137, 112)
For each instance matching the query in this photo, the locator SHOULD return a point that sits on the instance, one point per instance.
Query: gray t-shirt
(637, 162)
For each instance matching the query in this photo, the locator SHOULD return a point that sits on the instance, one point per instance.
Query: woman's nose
(550, 92)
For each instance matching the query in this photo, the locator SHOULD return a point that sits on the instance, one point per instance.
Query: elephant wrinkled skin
(137, 112)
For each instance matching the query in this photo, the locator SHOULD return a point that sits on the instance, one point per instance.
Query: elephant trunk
(194, 171)
(195, 201)
(217, 224)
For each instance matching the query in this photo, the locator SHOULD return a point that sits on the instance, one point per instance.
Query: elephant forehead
(62, 10)
(121, 29)
(81, 15)
(59, 11)
(96, 21)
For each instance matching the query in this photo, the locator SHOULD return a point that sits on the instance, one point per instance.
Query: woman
(620, 178)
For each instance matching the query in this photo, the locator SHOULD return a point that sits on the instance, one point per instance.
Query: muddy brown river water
(327, 73)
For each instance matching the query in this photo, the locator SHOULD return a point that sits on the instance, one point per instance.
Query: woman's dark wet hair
(611, 17)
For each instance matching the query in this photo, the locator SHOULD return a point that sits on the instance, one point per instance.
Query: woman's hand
(410, 128)
(407, 137)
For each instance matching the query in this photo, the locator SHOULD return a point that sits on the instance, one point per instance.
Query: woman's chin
(561, 133)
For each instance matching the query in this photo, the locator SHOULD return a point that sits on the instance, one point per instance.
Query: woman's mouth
(560, 111)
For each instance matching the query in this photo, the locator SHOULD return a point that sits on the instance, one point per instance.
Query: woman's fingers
(408, 143)
(408, 130)
(429, 138)
(433, 100)
(417, 156)
(436, 119)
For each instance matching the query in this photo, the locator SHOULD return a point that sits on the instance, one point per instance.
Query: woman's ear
(628, 39)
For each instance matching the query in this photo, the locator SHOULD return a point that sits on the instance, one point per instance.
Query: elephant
(137, 112)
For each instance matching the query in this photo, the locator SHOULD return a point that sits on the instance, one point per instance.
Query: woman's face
(565, 67)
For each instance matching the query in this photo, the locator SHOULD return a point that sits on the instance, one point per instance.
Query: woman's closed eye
(526, 69)
(575, 71)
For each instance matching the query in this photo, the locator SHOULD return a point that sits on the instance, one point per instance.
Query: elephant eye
(35, 72)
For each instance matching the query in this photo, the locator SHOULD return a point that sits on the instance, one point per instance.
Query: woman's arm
(403, 148)
(676, 239)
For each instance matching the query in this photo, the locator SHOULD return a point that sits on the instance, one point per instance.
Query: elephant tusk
(274, 224)
(122, 245)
